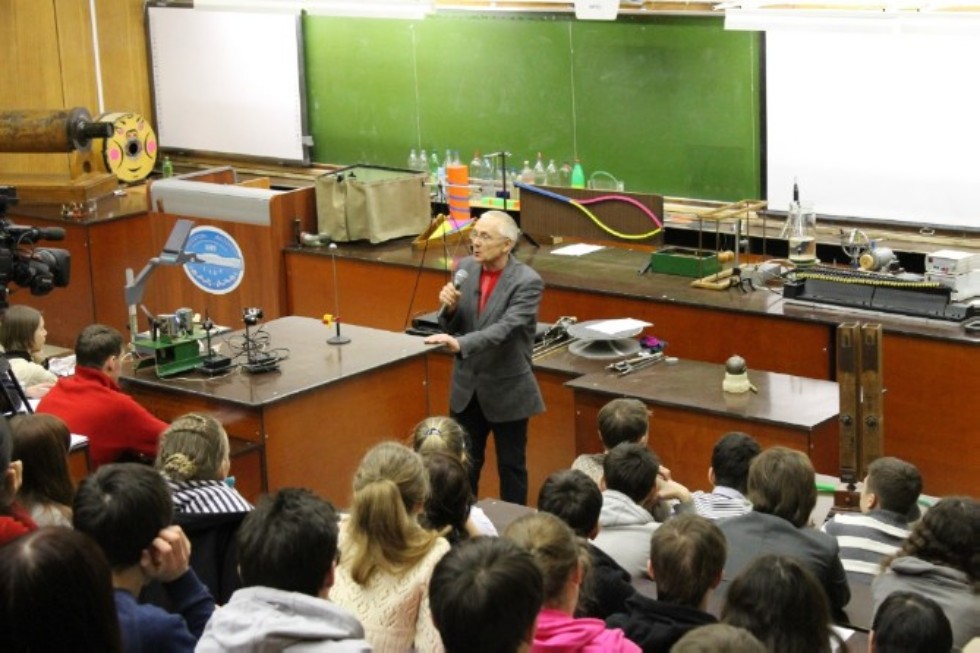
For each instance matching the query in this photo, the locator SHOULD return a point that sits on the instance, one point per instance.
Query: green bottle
(578, 175)
(167, 167)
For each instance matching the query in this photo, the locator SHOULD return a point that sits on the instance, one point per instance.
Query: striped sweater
(207, 497)
(866, 539)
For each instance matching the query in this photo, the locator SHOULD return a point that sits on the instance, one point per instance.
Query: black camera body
(39, 269)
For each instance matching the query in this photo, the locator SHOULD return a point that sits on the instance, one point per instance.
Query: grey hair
(505, 224)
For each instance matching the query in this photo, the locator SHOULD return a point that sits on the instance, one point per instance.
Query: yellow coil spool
(131, 152)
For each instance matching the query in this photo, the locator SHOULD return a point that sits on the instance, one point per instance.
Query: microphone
(461, 276)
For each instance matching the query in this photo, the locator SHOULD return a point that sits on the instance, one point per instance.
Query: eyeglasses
(482, 236)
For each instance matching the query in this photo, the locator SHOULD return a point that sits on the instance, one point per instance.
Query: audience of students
(574, 498)
(625, 526)
(728, 476)
(126, 508)
(620, 420)
(718, 638)
(777, 599)
(561, 560)
(56, 595)
(41, 443)
(782, 489)
(386, 557)
(941, 560)
(91, 403)
(445, 435)
(14, 520)
(486, 595)
(888, 499)
(907, 622)
(447, 508)
(194, 457)
(386, 578)
(687, 556)
(287, 558)
(22, 336)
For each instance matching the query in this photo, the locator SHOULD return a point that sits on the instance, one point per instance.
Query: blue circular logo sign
(217, 265)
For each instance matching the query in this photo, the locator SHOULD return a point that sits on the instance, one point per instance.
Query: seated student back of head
(91, 402)
(728, 475)
(620, 420)
(558, 555)
(687, 556)
(940, 559)
(126, 508)
(572, 496)
(783, 492)
(625, 525)
(888, 501)
(486, 594)
(288, 557)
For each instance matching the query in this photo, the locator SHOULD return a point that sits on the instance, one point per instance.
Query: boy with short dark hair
(728, 475)
(126, 508)
(573, 497)
(687, 556)
(888, 503)
(485, 596)
(620, 420)
(287, 554)
(629, 483)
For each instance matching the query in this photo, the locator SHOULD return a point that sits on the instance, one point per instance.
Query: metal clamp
(644, 359)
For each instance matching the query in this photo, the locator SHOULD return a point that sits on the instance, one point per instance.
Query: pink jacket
(558, 632)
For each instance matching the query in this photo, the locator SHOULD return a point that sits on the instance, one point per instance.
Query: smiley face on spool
(131, 152)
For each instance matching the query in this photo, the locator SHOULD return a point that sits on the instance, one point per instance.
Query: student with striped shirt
(728, 475)
(194, 458)
(888, 502)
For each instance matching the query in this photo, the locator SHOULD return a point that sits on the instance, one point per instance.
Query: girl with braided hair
(941, 560)
(194, 458)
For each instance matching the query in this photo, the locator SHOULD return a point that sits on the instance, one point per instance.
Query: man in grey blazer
(490, 321)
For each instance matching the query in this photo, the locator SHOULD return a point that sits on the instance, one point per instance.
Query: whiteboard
(228, 82)
(878, 126)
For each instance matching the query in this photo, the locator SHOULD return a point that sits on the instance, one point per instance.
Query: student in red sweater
(91, 402)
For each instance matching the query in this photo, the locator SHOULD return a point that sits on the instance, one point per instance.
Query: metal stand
(336, 339)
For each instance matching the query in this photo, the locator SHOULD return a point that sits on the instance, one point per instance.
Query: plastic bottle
(423, 161)
(539, 171)
(413, 160)
(167, 167)
(551, 174)
(578, 175)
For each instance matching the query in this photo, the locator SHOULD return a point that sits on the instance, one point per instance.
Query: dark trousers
(510, 440)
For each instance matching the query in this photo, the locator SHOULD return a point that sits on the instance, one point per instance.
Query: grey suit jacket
(757, 534)
(494, 361)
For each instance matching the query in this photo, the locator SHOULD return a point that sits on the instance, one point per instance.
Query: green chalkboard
(669, 105)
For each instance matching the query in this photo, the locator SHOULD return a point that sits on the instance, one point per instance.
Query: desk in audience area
(309, 423)
(690, 413)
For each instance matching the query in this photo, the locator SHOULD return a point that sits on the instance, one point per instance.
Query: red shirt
(488, 281)
(92, 404)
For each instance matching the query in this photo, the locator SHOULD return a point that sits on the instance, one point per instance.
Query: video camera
(41, 269)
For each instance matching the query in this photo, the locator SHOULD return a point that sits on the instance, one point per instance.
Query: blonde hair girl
(194, 457)
(386, 557)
